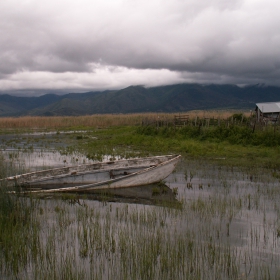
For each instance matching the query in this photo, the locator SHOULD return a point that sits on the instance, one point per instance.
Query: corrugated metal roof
(269, 107)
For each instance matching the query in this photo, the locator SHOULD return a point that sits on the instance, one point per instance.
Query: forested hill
(133, 99)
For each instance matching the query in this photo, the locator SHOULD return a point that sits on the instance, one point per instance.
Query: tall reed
(100, 120)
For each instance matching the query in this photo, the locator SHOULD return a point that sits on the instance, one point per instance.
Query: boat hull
(98, 176)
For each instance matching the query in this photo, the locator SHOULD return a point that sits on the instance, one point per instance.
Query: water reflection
(154, 194)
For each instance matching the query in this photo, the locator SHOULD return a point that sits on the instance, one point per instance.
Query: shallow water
(225, 225)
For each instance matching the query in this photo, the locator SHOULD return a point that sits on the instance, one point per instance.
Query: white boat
(97, 176)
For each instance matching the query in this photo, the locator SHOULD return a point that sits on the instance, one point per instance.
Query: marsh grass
(17, 229)
(227, 225)
(229, 230)
(103, 120)
(93, 121)
(123, 136)
(137, 141)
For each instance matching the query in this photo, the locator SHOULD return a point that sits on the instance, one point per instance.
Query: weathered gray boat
(97, 176)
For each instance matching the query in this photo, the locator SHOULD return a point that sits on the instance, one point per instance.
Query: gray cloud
(107, 44)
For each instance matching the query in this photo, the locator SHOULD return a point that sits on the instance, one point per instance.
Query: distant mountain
(17, 106)
(134, 99)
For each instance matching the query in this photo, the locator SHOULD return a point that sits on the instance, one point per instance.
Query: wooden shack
(267, 112)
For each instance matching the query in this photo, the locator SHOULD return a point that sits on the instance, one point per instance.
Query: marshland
(216, 217)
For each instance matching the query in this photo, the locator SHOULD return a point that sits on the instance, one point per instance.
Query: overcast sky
(109, 44)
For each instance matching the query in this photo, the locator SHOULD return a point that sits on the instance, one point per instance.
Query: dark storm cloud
(113, 43)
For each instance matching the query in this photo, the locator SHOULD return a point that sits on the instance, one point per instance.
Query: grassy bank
(123, 135)
(232, 146)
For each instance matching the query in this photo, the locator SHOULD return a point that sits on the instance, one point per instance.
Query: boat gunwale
(89, 172)
(105, 163)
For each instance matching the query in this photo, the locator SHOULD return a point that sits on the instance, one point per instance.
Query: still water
(225, 224)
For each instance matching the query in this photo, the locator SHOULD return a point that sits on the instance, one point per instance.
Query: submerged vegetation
(18, 230)
(226, 228)
(227, 225)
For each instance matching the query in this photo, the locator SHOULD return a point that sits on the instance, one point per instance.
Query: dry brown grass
(222, 114)
(99, 121)
(68, 122)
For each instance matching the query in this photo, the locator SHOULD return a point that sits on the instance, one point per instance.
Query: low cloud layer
(106, 44)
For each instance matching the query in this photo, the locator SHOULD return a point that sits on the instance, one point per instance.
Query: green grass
(209, 145)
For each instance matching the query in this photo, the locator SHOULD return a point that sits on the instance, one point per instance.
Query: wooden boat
(97, 176)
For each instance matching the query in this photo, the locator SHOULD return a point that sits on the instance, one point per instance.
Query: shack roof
(269, 107)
